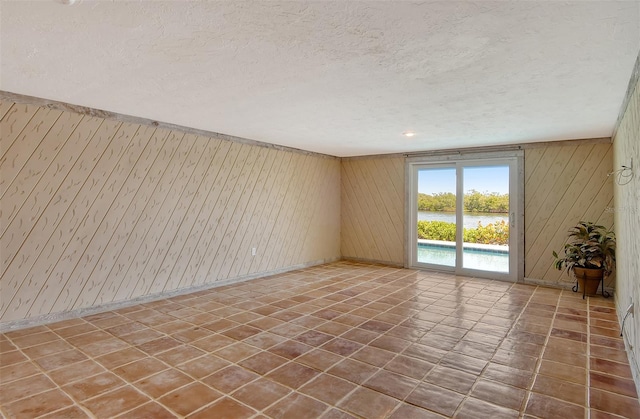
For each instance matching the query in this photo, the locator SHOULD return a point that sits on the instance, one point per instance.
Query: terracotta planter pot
(588, 279)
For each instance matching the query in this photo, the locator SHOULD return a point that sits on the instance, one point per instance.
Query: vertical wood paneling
(12, 124)
(315, 192)
(564, 185)
(296, 211)
(182, 220)
(389, 233)
(192, 253)
(56, 249)
(155, 219)
(349, 224)
(562, 190)
(247, 176)
(45, 209)
(96, 211)
(377, 233)
(365, 231)
(574, 204)
(293, 213)
(34, 223)
(145, 268)
(233, 263)
(323, 231)
(273, 241)
(626, 211)
(372, 211)
(139, 218)
(304, 213)
(31, 173)
(108, 211)
(199, 264)
(259, 213)
(274, 202)
(394, 184)
(549, 170)
(232, 191)
(26, 143)
(45, 194)
(4, 108)
(534, 155)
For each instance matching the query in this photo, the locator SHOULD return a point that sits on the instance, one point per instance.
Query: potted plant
(590, 255)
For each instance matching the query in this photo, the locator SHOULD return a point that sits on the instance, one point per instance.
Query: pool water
(480, 259)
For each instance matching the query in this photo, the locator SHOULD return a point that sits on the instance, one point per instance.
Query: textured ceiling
(343, 78)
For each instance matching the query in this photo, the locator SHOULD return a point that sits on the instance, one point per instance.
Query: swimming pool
(474, 256)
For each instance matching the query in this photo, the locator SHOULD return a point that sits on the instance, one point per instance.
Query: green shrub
(492, 233)
(437, 230)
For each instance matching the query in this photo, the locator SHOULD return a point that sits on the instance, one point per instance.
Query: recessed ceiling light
(409, 134)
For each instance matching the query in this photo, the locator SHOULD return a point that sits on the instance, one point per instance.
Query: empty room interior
(303, 209)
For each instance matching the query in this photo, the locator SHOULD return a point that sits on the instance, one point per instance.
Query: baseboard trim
(373, 261)
(87, 311)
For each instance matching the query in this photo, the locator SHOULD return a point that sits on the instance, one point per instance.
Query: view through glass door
(436, 216)
(464, 217)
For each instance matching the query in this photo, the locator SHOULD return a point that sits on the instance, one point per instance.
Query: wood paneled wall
(95, 211)
(563, 185)
(373, 209)
(627, 217)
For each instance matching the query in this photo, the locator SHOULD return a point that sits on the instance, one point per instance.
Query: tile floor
(334, 341)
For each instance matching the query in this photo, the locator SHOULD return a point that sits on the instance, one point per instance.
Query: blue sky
(480, 178)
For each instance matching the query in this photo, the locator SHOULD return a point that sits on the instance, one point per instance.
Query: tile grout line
(378, 289)
(44, 373)
(378, 368)
(357, 385)
(262, 350)
(92, 358)
(586, 355)
(422, 380)
(515, 321)
(476, 322)
(466, 396)
(326, 370)
(126, 383)
(171, 367)
(536, 369)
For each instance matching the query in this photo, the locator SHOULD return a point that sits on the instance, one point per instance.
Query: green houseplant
(590, 255)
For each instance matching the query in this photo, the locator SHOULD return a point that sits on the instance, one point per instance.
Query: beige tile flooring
(335, 341)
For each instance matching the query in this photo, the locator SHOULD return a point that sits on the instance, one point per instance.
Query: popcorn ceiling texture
(342, 78)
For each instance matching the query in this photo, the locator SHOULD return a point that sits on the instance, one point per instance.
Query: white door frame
(515, 160)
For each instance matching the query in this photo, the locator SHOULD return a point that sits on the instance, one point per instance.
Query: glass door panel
(485, 218)
(436, 216)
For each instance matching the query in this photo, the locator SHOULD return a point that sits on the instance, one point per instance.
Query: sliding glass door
(464, 217)
(436, 218)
